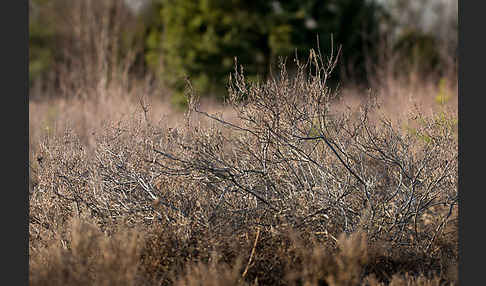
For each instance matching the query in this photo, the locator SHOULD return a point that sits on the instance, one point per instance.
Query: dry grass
(158, 255)
(84, 255)
(127, 191)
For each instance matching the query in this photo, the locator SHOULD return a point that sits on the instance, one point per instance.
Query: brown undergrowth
(290, 184)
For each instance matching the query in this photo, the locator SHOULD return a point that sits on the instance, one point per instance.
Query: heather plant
(85, 255)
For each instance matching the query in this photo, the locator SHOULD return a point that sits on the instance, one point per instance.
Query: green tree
(352, 24)
(200, 39)
(418, 51)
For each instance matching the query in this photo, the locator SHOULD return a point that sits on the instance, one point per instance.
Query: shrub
(291, 181)
(291, 158)
(418, 52)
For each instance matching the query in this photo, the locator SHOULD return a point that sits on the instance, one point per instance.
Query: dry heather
(289, 186)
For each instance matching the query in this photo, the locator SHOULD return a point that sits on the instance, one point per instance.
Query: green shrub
(418, 52)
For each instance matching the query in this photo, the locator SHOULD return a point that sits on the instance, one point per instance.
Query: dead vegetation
(294, 188)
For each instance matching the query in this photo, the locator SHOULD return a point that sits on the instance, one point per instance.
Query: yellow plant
(444, 94)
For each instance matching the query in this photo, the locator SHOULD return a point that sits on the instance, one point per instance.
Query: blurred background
(97, 61)
(85, 48)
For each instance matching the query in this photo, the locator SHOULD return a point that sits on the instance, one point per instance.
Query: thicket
(292, 191)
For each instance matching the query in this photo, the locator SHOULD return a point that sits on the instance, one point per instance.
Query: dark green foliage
(201, 39)
(152, 35)
(418, 51)
(352, 24)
